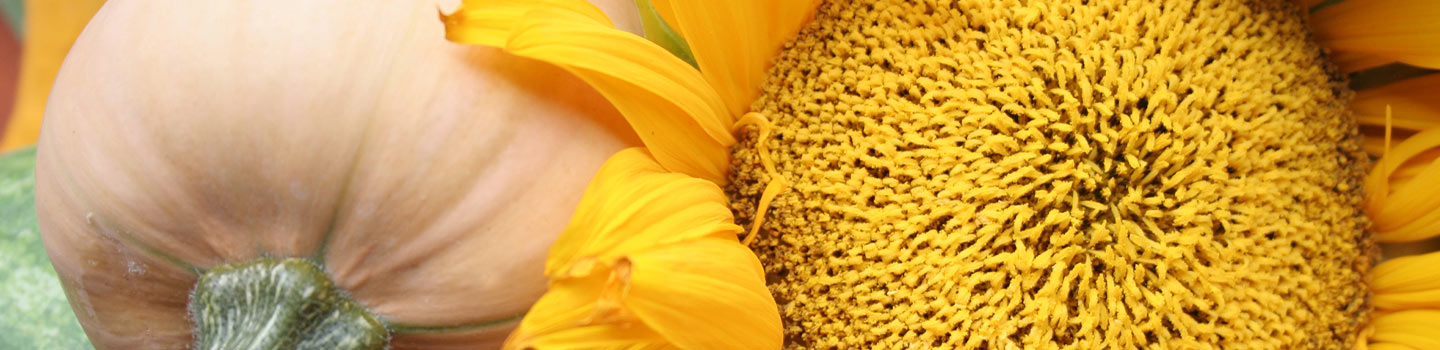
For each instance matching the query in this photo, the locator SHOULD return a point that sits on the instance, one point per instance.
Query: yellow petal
(632, 205)
(562, 319)
(489, 23)
(735, 40)
(50, 27)
(1367, 33)
(705, 294)
(1405, 211)
(668, 103)
(1406, 282)
(1410, 201)
(1415, 102)
(648, 252)
(1413, 328)
(1356, 61)
(1388, 346)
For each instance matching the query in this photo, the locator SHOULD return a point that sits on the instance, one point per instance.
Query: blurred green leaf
(33, 310)
(14, 15)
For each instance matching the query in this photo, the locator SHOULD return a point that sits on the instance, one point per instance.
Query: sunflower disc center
(1048, 174)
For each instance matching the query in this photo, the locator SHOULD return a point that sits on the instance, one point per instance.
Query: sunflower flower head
(651, 258)
(996, 174)
(993, 174)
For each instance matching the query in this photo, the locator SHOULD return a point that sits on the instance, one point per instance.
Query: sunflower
(997, 174)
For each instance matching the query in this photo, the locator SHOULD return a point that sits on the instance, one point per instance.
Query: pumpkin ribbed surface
(1040, 174)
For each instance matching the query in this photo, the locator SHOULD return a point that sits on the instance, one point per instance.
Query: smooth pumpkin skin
(429, 178)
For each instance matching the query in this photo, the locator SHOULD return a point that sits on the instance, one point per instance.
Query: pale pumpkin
(426, 179)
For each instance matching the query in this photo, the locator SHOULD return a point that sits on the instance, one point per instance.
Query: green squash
(33, 310)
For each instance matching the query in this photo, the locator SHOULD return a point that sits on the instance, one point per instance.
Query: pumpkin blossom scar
(998, 173)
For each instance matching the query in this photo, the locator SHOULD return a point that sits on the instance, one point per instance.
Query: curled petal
(705, 294)
(668, 103)
(564, 319)
(1405, 210)
(490, 23)
(633, 205)
(652, 255)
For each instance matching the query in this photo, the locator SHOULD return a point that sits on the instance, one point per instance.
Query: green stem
(279, 304)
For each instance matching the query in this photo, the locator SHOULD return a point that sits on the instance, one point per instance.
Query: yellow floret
(1060, 174)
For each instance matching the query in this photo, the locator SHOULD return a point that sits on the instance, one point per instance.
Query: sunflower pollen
(1060, 175)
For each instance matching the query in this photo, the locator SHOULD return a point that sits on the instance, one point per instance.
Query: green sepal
(661, 34)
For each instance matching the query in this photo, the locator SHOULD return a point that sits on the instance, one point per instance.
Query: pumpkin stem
(279, 304)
